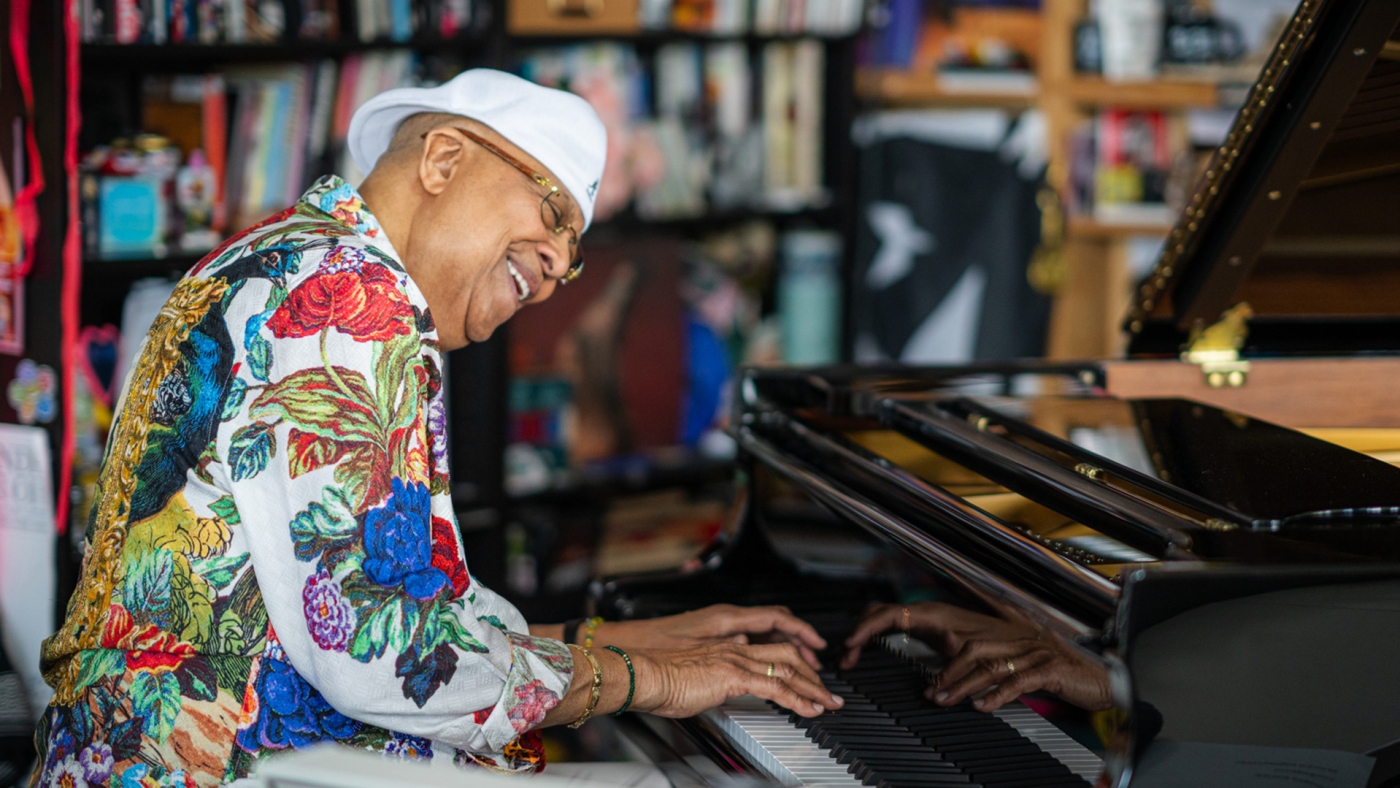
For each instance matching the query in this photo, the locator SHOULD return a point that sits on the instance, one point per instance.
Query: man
(274, 559)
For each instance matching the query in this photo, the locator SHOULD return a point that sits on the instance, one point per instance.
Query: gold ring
(1010, 667)
(771, 668)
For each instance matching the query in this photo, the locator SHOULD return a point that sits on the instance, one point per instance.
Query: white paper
(27, 542)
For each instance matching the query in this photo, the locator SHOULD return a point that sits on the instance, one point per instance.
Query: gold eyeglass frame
(558, 225)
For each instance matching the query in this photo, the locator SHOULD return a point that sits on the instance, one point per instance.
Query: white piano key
(790, 758)
(1075, 756)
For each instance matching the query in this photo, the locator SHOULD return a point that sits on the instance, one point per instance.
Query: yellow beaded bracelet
(588, 630)
(597, 690)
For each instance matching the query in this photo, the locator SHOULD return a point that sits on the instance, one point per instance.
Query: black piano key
(1040, 782)
(913, 779)
(846, 737)
(910, 782)
(1007, 769)
(996, 758)
(993, 736)
(867, 751)
(863, 766)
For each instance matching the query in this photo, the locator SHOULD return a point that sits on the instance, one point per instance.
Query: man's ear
(441, 158)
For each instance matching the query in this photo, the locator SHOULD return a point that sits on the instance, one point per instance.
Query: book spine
(319, 130)
(777, 123)
(809, 72)
(236, 21)
(214, 134)
(295, 137)
(400, 20)
(128, 21)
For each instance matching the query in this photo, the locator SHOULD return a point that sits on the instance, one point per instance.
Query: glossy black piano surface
(1239, 581)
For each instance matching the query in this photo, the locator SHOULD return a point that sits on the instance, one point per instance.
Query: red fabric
(365, 304)
(72, 257)
(26, 202)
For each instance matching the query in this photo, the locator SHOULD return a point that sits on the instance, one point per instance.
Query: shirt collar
(332, 195)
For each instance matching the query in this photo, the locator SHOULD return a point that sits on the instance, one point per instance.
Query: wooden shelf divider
(1160, 94)
(897, 87)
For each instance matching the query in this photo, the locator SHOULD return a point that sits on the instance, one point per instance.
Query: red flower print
(532, 702)
(117, 630)
(354, 297)
(480, 715)
(157, 652)
(447, 558)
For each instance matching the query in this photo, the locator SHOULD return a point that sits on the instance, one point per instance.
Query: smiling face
(467, 225)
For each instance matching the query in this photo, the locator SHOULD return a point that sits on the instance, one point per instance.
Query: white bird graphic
(900, 241)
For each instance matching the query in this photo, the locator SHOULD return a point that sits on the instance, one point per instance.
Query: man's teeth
(521, 286)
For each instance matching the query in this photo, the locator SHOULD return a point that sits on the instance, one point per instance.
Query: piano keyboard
(887, 735)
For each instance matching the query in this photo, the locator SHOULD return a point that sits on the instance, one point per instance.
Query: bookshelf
(1096, 289)
(478, 376)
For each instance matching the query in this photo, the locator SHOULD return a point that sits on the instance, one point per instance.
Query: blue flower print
(399, 542)
(291, 713)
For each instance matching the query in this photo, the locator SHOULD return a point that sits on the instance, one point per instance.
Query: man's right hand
(684, 682)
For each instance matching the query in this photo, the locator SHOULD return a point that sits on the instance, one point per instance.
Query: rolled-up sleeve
(332, 449)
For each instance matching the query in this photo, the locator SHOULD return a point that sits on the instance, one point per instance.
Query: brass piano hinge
(1218, 525)
(1091, 471)
(1216, 349)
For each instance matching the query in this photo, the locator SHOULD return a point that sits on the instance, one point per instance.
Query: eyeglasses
(554, 209)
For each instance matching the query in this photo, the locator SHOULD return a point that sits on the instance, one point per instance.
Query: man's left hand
(717, 623)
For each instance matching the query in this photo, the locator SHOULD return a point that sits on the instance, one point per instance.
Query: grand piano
(1213, 521)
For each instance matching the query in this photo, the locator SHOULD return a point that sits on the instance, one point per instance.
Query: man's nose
(554, 262)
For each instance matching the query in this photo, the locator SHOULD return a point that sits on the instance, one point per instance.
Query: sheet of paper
(1169, 764)
(27, 541)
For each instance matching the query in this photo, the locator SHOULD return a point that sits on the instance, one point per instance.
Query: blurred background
(788, 182)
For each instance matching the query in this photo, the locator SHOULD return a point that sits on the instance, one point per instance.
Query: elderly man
(274, 560)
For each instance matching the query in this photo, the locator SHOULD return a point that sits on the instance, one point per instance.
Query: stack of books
(268, 21)
(763, 17)
(266, 131)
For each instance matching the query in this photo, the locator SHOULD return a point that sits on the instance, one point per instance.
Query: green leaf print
(233, 401)
(452, 630)
(192, 605)
(315, 402)
(197, 680)
(252, 447)
(155, 699)
(372, 633)
(148, 582)
(322, 525)
(259, 357)
(99, 664)
(226, 509)
(219, 571)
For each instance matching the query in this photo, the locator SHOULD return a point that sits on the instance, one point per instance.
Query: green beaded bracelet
(631, 679)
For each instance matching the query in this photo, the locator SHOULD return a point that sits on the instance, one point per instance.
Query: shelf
(147, 56)
(652, 38)
(898, 87)
(126, 270)
(1157, 94)
(1082, 227)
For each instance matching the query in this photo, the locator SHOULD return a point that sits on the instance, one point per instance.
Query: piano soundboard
(888, 735)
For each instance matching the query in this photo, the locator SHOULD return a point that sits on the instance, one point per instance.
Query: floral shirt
(274, 560)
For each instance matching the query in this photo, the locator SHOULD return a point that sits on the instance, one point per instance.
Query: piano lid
(1296, 214)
